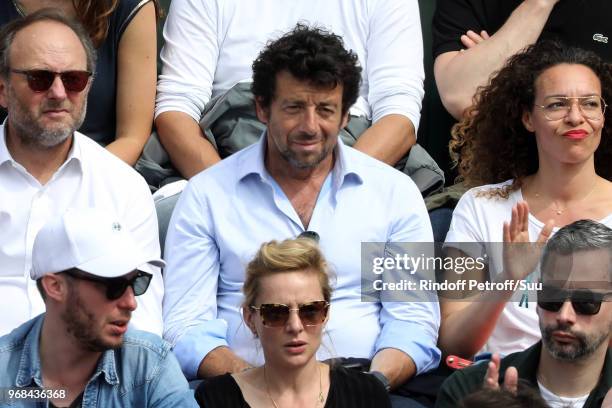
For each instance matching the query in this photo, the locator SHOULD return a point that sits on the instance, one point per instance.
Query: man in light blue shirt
(80, 353)
(298, 177)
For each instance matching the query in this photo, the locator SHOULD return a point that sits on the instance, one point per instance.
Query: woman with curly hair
(122, 96)
(536, 144)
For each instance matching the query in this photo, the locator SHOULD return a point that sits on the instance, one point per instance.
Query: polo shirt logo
(600, 38)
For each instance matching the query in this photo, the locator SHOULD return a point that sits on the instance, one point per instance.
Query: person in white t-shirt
(211, 44)
(46, 167)
(536, 139)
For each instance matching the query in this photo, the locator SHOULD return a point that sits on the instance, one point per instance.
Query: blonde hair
(300, 254)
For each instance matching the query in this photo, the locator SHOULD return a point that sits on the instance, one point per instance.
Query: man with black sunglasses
(572, 365)
(87, 267)
(46, 166)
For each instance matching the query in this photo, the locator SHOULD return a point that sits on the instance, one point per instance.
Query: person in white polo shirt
(46, 61)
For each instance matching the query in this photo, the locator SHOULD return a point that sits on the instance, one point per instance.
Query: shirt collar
(29, 365)
(75, 153)
(344, 169)
(4, 153)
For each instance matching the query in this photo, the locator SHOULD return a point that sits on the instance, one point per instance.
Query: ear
(55, 287)
(4, 92)
(345, 120)
(527, 120)
(249, 316)
(263, 113)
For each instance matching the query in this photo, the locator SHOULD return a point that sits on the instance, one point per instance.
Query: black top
(100, 120)
(585, 23)
(468, 380)
(347, 389)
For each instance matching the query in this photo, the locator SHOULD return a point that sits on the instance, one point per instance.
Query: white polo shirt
(90, 177)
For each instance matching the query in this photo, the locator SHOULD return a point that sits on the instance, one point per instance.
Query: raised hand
(491, 380)
(521, 256)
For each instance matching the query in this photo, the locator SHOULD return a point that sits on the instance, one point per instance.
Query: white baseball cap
(91, 240)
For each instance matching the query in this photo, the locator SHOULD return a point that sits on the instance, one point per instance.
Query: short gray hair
(8, 32)
(582, 235)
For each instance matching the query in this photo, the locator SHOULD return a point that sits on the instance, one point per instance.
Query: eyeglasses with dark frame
(40, 80)
(115, 287)
(584, 301)
(558, 107)
(277, 314)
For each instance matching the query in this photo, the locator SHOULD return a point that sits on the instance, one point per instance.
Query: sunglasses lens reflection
(584, 302)
(41, 80)
(311, 314)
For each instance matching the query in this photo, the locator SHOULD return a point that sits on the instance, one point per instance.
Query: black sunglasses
(115, 287)
(40, 80)
(584, 301)
(277, 315)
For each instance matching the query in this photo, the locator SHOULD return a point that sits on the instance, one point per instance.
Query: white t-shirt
(90, 177)
(480, 219)
(555, 401)
(210, 46)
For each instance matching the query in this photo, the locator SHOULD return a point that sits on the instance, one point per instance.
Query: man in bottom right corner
(572, 365)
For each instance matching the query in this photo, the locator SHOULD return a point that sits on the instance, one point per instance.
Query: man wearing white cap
(87, 267)
(46, 166)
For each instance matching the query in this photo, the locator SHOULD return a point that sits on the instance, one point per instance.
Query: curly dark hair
(491, 145)
(310, 54)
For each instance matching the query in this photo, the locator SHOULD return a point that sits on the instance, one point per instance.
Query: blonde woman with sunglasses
(287, 302)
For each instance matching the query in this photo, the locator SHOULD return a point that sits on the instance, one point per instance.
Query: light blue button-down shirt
(226, 212)
(142, 373)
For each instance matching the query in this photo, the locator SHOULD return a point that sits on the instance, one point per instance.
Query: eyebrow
(302, 102)
(565, 96)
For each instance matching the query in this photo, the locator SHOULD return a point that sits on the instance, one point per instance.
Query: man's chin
(305, 161)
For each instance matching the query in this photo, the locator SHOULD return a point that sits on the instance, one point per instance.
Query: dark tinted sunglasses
(115, 287)
(40, 80)
(276, 315)
(584, 301)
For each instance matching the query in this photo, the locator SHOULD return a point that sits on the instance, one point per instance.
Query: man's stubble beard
(80, 324)
(587, 344)
(31, 134)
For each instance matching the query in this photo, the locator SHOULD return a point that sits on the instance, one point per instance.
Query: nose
(57, 90)
(309, 122)
(127, 301)
(294, 323)
(574, 116)
(566, 314)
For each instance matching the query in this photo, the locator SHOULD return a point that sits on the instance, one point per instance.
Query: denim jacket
(142, 373)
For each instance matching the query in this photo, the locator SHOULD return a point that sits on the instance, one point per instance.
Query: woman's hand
(521, 256)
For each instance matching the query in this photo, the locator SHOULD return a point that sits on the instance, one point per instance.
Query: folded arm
(393, 73)
(189, 59)
(459, 73)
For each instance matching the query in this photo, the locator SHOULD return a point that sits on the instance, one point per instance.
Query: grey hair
(582, 235)
(8, 32)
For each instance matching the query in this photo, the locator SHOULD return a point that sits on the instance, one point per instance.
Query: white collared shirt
(90, 177)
